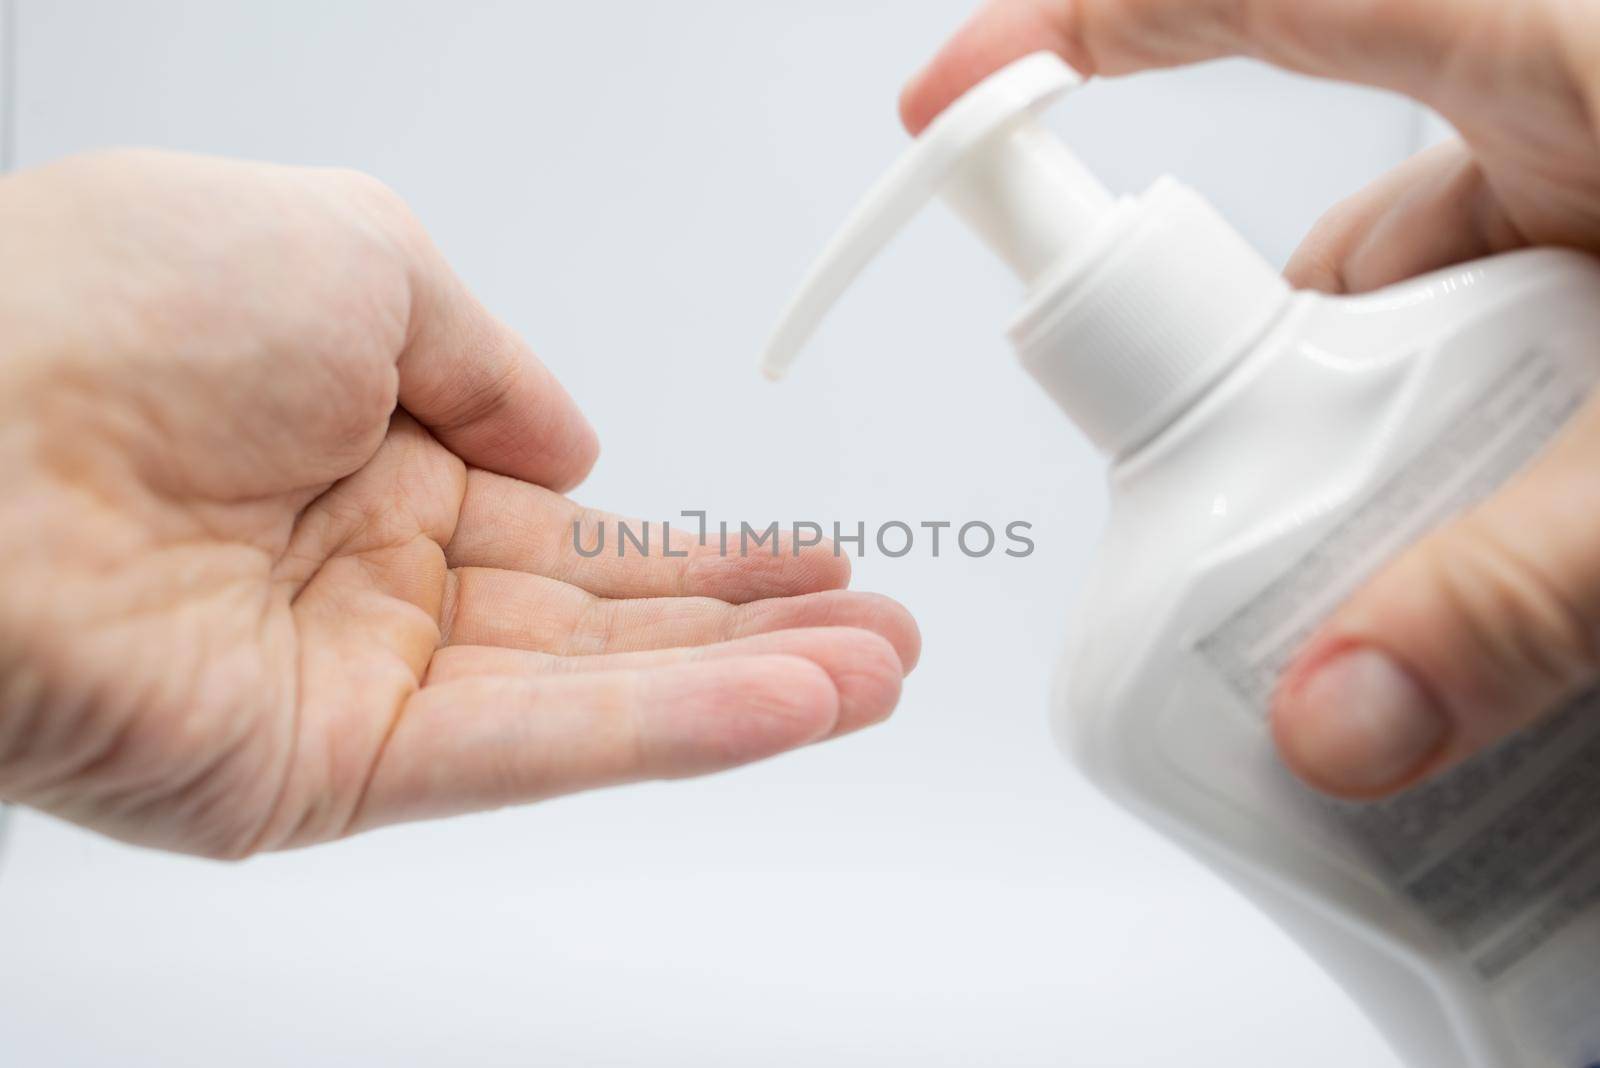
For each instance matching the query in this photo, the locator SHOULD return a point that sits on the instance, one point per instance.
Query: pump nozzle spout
(1013, 181)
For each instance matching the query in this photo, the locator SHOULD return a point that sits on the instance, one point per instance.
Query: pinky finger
(484, 743)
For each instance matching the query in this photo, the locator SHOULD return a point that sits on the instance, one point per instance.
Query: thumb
(1472, 634)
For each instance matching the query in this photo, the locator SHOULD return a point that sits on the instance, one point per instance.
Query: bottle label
(1502, 854)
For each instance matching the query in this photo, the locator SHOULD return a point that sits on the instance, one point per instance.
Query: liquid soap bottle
(1268, 450)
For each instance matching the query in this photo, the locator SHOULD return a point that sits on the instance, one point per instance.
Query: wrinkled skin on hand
(284, 547)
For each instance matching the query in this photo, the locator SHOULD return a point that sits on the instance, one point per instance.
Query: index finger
(1392, 45)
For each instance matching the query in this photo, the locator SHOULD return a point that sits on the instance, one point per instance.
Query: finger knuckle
(1518, 613)
(373, 199)
(367, 187)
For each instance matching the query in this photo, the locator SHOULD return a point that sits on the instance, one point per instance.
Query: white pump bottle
(1269, 449)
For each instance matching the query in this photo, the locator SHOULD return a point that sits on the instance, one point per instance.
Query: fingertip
(863, 665)
(794, 704)
(1001, 32)
(537, 432)
(831, 568)
(1353, 723)
(837, 608)
(899, 627)
(1312, 267)
(743, 577)
(578, 456)
(869, 679)
(715, 715)
(818, 568)
(916, 107)
(954, 69)
(477, 385)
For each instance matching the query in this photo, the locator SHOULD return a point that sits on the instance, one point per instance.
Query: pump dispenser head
(1134, 305)
(1012, 181)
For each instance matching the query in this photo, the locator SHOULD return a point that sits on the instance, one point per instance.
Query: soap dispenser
(1268, 450)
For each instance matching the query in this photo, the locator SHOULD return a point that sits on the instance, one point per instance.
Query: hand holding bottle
(1486, 624)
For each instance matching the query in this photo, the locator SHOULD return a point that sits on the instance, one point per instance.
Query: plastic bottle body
(1273, 449)
(1351, 427)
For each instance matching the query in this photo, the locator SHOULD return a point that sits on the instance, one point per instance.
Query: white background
(637, 185)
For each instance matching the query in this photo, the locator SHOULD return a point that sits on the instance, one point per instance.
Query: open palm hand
(284, 546)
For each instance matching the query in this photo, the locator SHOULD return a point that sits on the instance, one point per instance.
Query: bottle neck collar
(1160, 303)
